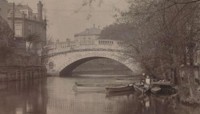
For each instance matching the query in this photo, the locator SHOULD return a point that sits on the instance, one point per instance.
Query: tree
(6, 39)
(138, 45)
(164, 33)
(32, 39)
(6, 34)
(162, 40)
(172, 35)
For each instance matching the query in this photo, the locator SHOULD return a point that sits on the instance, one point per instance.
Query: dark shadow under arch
(67, 71)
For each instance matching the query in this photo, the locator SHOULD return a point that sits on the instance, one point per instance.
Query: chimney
(40, 10)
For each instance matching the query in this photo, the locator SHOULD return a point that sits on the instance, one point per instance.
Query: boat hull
(119, 89)
(88, 89)
(155, 90)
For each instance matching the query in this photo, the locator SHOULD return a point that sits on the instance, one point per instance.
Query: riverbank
(14, 73)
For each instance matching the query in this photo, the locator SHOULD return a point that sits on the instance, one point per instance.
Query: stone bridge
(63, 58)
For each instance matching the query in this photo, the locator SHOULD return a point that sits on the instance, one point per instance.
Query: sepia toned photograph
(99, 56)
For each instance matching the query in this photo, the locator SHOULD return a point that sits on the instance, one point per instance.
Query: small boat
(97, 84)
(122, 93)
(161, 82)
(88, 89)
(120, 89)
(141, 88)
(155, 89)
(84, 84)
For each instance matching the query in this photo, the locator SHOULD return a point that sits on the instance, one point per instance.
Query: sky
(68, 17)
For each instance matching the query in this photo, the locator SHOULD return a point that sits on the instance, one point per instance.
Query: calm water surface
(55, 95)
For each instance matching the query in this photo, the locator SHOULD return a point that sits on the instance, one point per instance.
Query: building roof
(20, 6)
(18, 9)
(22, 11)
(89, 32)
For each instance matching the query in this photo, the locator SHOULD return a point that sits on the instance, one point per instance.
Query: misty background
(68, 17)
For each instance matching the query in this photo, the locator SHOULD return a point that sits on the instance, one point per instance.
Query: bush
(6, 39)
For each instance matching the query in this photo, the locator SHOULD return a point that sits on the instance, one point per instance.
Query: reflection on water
(23, 98)
(55, 96)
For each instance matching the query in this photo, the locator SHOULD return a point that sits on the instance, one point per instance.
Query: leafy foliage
(6, 34)
(33, 39)
(6, 39)
(164, 33)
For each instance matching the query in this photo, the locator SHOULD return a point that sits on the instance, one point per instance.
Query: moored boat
(120, 89)
(88, 89)
(96, 84)
(141, 88)
(122, 93)
(162, 82)
(155, 89)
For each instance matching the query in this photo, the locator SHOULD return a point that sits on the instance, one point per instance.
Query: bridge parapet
(95, 45)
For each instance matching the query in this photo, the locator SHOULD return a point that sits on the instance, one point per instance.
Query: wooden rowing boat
(119, 89)
(123, 93)
(88, 89)
(141, 88)
(155, 89)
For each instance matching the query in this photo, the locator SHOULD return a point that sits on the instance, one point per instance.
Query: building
(25, 22)
(88, 36)
(4, 9)
(91, 36)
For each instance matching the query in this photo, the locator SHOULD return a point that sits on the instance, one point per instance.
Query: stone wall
(14, 73)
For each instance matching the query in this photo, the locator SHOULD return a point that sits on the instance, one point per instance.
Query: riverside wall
(21, 73)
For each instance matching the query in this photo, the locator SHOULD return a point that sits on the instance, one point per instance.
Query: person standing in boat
(147, 82)
(142, 81)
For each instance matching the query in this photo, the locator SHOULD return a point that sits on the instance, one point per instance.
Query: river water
(55, 95)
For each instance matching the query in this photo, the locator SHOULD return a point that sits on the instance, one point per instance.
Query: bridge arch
(66, 63)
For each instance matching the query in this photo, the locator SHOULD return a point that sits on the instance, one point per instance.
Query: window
(51, 65)
(18, 29)
(30, 28)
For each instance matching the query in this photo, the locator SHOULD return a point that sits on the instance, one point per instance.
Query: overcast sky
(64, 22)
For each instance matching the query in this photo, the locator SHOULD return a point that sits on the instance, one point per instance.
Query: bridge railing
(97, 45)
